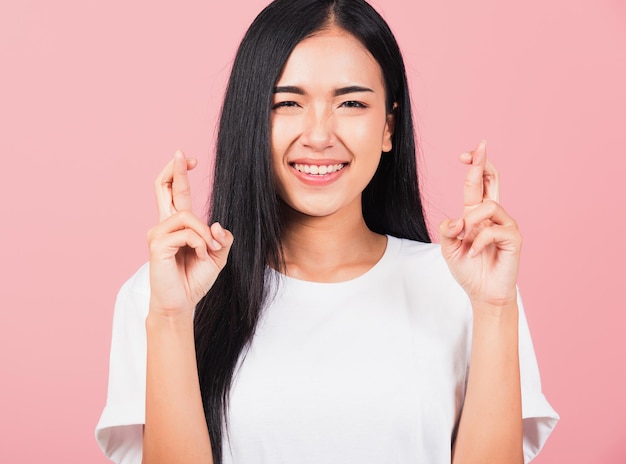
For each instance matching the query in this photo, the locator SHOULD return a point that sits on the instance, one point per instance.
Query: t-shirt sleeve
(539, 417)
(120, 429)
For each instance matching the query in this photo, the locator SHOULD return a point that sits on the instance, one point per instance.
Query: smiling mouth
(318, 170)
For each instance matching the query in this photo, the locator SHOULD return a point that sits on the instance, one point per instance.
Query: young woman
(312, 320)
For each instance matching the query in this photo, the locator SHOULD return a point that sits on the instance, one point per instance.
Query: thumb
(449, 232)
(224, 239)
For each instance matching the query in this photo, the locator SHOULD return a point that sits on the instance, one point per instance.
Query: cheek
(362, 135)
(282, 134)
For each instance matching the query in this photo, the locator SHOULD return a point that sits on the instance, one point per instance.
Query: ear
(389, 127)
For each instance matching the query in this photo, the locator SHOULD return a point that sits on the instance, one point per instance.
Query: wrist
(159, 317)
(497, 308)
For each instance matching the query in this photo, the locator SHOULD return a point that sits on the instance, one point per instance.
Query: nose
(317, 130)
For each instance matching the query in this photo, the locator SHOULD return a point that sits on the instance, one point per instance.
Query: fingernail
(216, 245)
(220, 230)
(453, 224)
(471, 253)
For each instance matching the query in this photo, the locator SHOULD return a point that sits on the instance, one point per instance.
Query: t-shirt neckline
(391, 250)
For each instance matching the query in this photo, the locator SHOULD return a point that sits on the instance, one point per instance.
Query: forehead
(331, 58)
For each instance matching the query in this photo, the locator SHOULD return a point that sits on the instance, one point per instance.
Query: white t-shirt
(371, 370)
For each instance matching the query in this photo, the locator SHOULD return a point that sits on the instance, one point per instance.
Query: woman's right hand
(186, 255)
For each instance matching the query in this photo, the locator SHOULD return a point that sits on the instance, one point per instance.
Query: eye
(353, 104)
(285, 104)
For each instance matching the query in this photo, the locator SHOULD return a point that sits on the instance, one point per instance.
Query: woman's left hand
(482, 248)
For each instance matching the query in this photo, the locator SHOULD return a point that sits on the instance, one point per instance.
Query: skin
(186, 257)
(316, 126)
(482, 249)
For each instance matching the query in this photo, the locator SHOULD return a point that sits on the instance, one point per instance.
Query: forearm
(175, 429)
(490, 430)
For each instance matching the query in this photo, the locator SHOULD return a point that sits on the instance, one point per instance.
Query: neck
(334, 248)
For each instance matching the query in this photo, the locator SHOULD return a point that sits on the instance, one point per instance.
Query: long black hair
(244, 198)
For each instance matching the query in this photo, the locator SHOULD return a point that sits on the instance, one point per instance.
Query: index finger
(473, 191)
(181, 190)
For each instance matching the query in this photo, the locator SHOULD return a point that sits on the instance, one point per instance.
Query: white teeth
(320, 170)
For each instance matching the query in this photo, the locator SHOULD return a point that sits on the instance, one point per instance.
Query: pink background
(96, 96)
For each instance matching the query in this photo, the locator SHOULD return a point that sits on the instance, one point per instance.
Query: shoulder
(134, 294)
(119, 430)
(139, 282)
(424, 258)
(409, 247)
(424, 271)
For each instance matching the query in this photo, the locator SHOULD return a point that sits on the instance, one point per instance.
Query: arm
(186, 257)
(175, 429)
(490, 429)
(482, 250)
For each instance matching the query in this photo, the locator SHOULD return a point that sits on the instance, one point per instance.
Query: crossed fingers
(172, 187)
(483, 221)
(482, 181)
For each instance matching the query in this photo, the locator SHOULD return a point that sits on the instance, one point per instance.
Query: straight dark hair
(244, 198)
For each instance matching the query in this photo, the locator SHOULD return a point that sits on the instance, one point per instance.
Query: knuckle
(186, 190)
(153, 233)
(188, 236)
(489, 208)
(491, 204)
(469, 222)
(482, 237)
(490, 178)
(517, 233)
(491, 173)
(191, 235)
(490, 233)
(160, 182)
(469, 183)
(183, 216)
(153, 246)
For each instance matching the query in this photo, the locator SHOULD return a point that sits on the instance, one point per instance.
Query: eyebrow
(338, 92)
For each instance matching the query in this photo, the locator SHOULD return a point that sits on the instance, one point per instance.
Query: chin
(323, 209)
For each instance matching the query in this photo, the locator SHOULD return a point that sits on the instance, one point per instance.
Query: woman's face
(329, 124)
